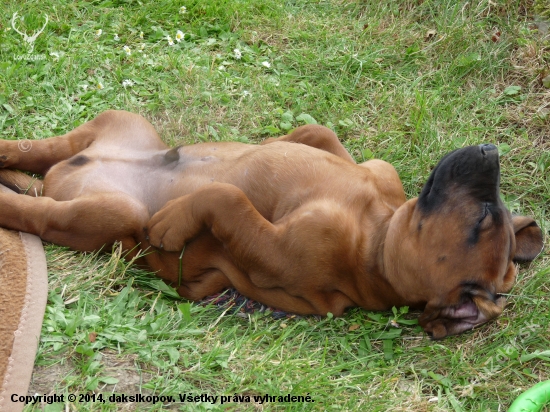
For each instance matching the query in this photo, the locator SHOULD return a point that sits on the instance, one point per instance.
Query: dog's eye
(484, 215)
(488, 218)
(484, 222)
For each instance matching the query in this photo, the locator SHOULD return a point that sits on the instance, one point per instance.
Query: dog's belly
(151, 177)
(284, 171)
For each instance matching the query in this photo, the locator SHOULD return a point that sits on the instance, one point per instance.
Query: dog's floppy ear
(528, 238)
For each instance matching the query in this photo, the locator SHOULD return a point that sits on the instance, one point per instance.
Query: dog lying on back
(293, 223)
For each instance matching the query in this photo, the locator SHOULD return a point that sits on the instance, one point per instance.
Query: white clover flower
(246, 93)
(183, 9)
(141, 48)
(84, 86)
(170, 41)
(100, 86)
(238, 54)
(98, 32)
(180, 36)
(221, 68)
(266, 64)
(116, 38)
(127, 83)
(127, 50)
(141, 35)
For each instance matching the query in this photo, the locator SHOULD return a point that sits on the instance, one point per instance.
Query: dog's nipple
(172, 155)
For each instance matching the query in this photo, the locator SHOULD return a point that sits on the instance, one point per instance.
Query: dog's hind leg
(112, 128)
(38, 156)
(20, 182)
(320, 137)
(86, 223)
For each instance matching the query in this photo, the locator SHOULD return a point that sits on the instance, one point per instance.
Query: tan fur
(293, 223)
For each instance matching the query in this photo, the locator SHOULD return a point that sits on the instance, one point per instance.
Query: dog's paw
(169, 228)
(4, 161)
(163, 234)
(9, 152)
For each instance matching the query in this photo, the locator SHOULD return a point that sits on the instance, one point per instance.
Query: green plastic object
(532, 400)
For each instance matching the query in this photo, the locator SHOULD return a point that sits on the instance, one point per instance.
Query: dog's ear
(528, 238)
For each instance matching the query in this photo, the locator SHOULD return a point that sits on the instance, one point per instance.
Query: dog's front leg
(221, 208)
(261, 254)
(284, 265)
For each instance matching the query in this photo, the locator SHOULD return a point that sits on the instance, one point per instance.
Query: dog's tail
(20, 182)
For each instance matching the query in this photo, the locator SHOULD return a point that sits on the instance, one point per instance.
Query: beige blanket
(23, 295)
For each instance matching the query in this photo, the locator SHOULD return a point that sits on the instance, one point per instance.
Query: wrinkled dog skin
(293, 223)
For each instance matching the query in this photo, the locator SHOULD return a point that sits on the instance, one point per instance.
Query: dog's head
(453, 248)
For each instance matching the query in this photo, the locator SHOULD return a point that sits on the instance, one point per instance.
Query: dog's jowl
(294, 222)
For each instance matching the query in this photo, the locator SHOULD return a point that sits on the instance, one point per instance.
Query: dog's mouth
(453, 320)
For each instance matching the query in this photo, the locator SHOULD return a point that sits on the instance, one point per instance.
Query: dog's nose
(486, 148)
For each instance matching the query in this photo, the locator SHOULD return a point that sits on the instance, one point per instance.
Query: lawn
(403, 81)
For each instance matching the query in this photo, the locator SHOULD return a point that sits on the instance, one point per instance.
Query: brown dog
(300, 227)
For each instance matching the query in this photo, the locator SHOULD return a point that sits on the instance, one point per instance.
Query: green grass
(390, 88)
